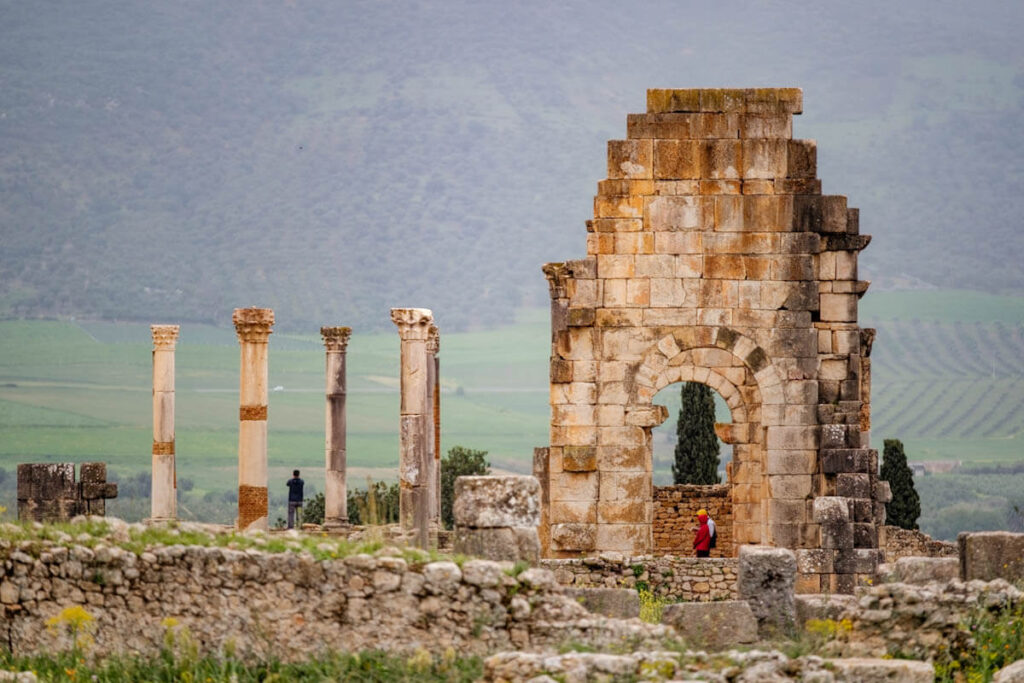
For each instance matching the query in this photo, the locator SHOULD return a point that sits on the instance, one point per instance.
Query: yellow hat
(702, 511)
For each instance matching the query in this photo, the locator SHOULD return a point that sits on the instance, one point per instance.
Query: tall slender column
(335, 491)
(253, 328)
(413, 469)
(164, 486)
(434, 397)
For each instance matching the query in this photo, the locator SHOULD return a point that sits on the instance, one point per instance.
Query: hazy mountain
(170, 161)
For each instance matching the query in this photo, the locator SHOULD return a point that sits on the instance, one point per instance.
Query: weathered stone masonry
(713, 257)
(675, 514)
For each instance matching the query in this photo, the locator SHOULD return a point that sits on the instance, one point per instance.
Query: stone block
(845, 460)
(766, 580)
(629, 159)
(864, 670)
(677, 159)
(990, 555)
(664, 126)
(579, 458)
(865, 534)
(764, 158)
(512, 544)
(497, 501)
(713, 626)
(46, 481)
(853, 485)
(617, 603)
(673, 213)
(857, 560)
(628, 538)
(822, 607)
(721, 159)
(802, 159)
(834, 214)
(574, 486)
(573, 537)
(838, 307)
(673, 100)
(573, 512)
(623, 512)
(1011, 673)
(926, 569)
(625, 486)
(792, 462)
(766, 126)
(93, 473)
(831, 510)
(815, 561)
(883, 492)
(836, 535)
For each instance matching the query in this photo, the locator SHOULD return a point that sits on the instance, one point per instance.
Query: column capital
(413, 323)
(557, 274)
(433, 340)
(253, 324)
(336, 338)
(164, 336)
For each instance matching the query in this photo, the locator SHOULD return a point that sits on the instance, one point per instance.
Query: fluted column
(434, 397)
(335, 490)
(253, 326)
(164, 485)
(413, 468)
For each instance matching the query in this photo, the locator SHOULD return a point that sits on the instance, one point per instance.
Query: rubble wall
(285, 604)
(678, 578)
(675, 514)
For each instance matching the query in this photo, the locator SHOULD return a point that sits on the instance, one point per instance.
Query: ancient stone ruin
(713, 257)
(48, 492)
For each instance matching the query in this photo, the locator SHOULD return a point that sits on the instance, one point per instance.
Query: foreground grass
(176, 666)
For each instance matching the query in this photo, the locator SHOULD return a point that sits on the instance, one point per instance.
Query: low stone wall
(675, 514)
(680, 578)
(287, 605)
(899, 542)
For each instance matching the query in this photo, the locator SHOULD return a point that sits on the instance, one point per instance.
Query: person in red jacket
(702, 539)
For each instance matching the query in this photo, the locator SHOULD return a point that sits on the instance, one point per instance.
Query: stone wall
(679, 578)
(897, 542)
(286, 604)
(48, 492)
(675, 514)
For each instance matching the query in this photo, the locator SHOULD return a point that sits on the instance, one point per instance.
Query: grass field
(948, 379)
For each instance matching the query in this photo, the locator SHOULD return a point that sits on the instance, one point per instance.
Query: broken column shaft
(253, 326)
(164, 484)
(335, 490)
(413, 466)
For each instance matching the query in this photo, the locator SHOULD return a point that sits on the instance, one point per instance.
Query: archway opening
(664, 437)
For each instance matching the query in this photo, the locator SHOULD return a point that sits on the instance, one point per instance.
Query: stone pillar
(496, 517)
(253, 328)
(434, 397)
(335, 491)
(413, 467)
(164, 485)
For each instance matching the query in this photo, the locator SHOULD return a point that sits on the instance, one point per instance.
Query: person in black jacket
(294, 497)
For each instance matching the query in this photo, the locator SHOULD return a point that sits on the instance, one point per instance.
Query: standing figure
(294, 497)
(702, 539)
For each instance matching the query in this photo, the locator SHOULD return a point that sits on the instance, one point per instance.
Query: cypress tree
(697, 449)
(905, 507)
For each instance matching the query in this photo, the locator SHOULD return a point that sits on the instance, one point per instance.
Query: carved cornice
(253, 324)
(433, 340)
(413, 323)
(165, 337)
(336, 338)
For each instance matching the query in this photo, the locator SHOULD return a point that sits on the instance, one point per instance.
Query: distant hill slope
(174, 160)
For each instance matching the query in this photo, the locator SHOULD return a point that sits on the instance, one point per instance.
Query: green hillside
(331, 160)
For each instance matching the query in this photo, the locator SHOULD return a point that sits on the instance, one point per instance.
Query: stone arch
(731, 364)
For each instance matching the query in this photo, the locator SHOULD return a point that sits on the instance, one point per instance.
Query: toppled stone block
(1013, 673)
(619, 603)
(767, 580)
(865, 670)
(493, 502)
(504, 543)
(989, 555)
(923, 569)
(822, 607)
(713, 625)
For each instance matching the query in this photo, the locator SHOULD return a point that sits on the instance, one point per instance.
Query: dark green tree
(697, 448)
(905, 507)
(460, 462)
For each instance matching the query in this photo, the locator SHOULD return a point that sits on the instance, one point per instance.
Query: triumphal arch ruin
(713, 257)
